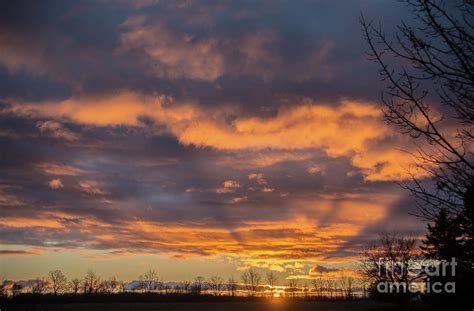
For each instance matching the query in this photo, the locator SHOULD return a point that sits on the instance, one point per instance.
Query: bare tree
(251, 280)
(428, 67)
(306, 292)
(187, 287)
(141, 284)
(151, 281)
(75, 285)
(292, 287)
(231, 286)
(197, 286)
(330, 284)
(110, 286)
(390, 261)
(39, 286)
(91, 282)
(58, 281)
(102, 287)
(272, 280)
(216, 285)
(430, 96)
(347, 286)
(318, 285)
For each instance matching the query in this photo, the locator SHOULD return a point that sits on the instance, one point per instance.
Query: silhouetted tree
(451, 237)
(330, 285)
(141, 284)
(306, 292)
(58, 281)
(272, 280)
(318, 285)
(109, 286)
(216, 285)
(186, 287)
(197, 286)
(251, 280)
(388, 262)
(292, 287)
(39, 286)
(430, 95)
(347, 286)
(91, 282)
(231, 286)
(151, 281)
(441, 241)
(75, 285)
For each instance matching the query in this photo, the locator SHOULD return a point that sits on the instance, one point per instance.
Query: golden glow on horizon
(292, 240)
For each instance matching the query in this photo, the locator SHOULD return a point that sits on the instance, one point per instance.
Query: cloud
(298, 239)
(173, 55)
(318, 269)
(314, 169)
(18, 52)
(55, 183)
(236, 200)
(17, 252)
(7, 198)
(91, 187)
(258, 177)
(228, 186)
(176, 54)
(60, 169)
(231, 184)
(57, 130)
(349, 129)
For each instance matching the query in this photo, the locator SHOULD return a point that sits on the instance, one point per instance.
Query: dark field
(278, 305)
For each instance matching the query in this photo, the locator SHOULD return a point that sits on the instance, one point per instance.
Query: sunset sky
(194, 137)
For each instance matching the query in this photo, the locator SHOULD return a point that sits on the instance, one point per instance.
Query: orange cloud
(19, 252)
(228, 186)
(60, 169)
(351, 129)
(91, 187)
(299, 238)
(55, 183)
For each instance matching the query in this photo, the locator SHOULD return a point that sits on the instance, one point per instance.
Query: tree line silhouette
(252, 284)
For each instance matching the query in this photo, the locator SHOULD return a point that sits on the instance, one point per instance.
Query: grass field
(277, 305)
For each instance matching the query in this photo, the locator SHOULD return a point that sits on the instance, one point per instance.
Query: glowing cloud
(55, 183)
(348, 129)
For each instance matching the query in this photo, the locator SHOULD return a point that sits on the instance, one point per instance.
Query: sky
(194, 138)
